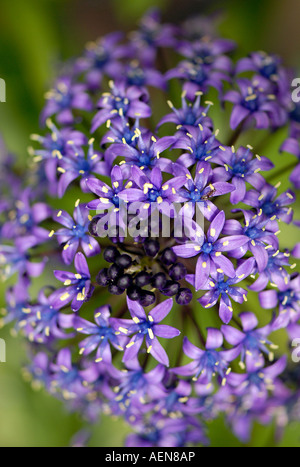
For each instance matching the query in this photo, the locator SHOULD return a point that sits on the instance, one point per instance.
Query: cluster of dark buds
(141, 276)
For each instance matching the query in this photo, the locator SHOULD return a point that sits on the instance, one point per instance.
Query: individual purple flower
(265, 65)
(148, 327)
(75, 234)
(101, 335)
(240, 167)
(255, 101)
(152, 193)
(274, 271)
(17, 304)
(261, 236)
(46, 320)
(121, 131)
(102, 58)
(197, 77)
(25, 219)
(10, 182)
(244, 408)
(66, 376)
(78, 164)
(206, 66)
(136, 74)
(191, 114)
(63, 99)
(136, 385)
(257, 378)
(207, 362)
(209, 52)
(15, 259)
(270, 70)
(210, 249)
(202, 403)
(38, 370)
(151, 35)
(175, 398)
(251, 340)
(55, 146)
(218, 287)
(266, 201)
(201, 144)
(287, 297)
(199, 191)
(78, 287)
(108, 198)
(145, 154)
(129, 102)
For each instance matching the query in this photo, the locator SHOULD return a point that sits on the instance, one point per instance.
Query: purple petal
(161, 311)
(136, 310)
(168, 332)
(225, 312)
(232, 335)
(214, 339)
(191, 350)
(238, 195)
(239, 114)
(216, 227)
(157, 351)
(268, 299)
(81, 265)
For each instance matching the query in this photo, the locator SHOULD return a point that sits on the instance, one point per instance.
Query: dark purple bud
(142, 279)
(151, 247)
(124, 261)
(102, 278)
(159, 281)
(168, 257)
(111, 254)
(171, 288)
(134, 293)
(147, 298)
(125, 281)
(178, 271)
(92, 228)
(115, 290)
(114, 272)
(184, 296)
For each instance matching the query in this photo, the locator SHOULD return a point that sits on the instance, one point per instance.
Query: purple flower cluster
(152, 355)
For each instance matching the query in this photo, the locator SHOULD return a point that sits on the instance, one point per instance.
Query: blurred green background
(35, 36)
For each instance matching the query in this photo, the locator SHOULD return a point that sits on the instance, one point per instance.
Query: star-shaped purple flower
(210, 249)
(218, 287)
(78, 164)
(240, 167)
(198, 191)
(152, 193)
(148, 327)
(101, 335)
(63, 99)
(78, 287)
(129, 102)
(75, 233)
(251, 340)
(255, 100)
(207, 362)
